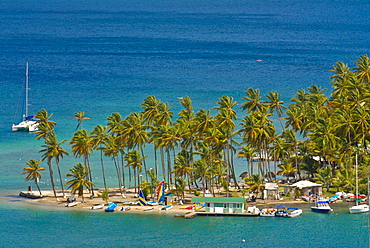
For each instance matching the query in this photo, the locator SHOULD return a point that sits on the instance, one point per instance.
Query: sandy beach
(115, 196)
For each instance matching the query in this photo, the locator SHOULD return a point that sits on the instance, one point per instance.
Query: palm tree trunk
(61, 180)
(155, 161)
(123, 171)
(118, 174)
(38, 187)
(169, 166)
(52, 178)
(163, 167)
(102, 168)
(91, 180)
(142, 154)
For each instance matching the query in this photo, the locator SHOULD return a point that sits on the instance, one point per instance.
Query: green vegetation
(320, 135)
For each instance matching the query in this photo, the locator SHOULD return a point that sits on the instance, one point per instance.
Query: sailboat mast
(26, 107)
(356, 197)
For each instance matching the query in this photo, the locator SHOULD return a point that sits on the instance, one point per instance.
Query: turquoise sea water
(107, 56)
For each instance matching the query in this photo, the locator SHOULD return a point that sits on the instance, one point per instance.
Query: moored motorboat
(268, 212)
(322, 207)
(281, 211)
(148, 208)
(294, 212)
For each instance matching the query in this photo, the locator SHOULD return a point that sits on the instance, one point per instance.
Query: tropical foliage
(317, 137)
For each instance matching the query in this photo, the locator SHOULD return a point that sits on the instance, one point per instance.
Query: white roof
(271, 186)
(304, 184)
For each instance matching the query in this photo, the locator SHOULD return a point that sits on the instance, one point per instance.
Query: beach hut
(170, 198)
(221, 204)
(271, 191)
(306, 187)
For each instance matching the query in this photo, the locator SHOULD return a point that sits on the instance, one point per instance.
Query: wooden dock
(227, 214)
(190, 215)
(194, 214)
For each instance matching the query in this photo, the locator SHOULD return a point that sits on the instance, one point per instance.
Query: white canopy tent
(305, 184)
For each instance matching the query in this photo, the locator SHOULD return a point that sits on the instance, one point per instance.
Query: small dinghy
(71, 204)
(99, 206)
(166, 208)
(126, 208)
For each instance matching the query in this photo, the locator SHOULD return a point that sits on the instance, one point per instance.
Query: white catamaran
(28, 124)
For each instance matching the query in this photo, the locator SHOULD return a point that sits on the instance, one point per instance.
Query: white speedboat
(294, 213)
(28, 124)
(268, 212)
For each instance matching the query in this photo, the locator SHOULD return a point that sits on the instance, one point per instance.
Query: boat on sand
(166, 208)
(111, 207)
(98, 206)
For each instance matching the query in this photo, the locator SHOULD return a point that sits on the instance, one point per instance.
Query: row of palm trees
(318, 138)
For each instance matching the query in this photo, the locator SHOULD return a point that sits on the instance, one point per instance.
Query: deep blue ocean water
(107, 56)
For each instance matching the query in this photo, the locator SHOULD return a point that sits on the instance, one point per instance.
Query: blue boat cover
(281, 206)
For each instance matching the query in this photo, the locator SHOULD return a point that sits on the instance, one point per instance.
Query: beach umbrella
(245, 174)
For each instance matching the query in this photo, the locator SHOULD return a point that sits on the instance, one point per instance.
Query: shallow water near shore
(122, 229)
(107, 56)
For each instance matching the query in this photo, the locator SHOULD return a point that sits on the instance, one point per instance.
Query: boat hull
(25, 126)
(321, 210)
(359, 209)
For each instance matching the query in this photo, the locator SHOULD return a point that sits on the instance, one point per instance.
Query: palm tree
(180, 185)
(134, 133)
(324, 176)
(362, 70)
(247, 152)
(45, 125)
(135, 160)
(275, 104)
(99, 134)
(255, 183)
(287, 169)
(201, 172)
(52, 149)
(105, 195)
(225, 119)
(80, 116)
(151, 108)
(181, 168)
(253, 100)
(82, 145)
(111, 149)
(33, 171)
(79, 173)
